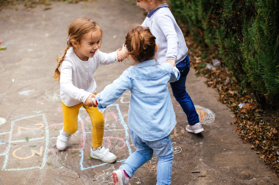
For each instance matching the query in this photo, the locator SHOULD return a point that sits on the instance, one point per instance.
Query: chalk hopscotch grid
(47, 143)
(4, 143)
(126, 138)
(10, 141)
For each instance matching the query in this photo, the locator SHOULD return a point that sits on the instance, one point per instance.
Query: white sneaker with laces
(62, 140)
(119, 177)
(103, 154)
(197, 128)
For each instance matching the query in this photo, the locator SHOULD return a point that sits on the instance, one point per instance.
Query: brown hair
(76, 30)
(140, 43)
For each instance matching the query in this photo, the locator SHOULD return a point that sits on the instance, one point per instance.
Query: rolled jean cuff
(127, 169)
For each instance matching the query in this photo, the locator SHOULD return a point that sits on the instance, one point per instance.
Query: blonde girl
(173, 49)
(151, 116)
(75, 71)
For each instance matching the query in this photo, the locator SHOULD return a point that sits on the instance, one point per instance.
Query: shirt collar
(153, 11)
(147, 63)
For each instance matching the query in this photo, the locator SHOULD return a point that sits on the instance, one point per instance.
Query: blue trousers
(144, 151)
(181, 95)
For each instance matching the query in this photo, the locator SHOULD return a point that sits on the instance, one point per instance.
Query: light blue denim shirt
(151, 115)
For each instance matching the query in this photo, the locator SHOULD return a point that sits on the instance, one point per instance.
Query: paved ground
(30, 110)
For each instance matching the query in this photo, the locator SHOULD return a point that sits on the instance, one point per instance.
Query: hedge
(246, 32)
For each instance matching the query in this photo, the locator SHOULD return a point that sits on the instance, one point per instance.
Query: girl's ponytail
(140, 43)
(59, 60)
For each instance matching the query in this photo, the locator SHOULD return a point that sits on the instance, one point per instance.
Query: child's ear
(132, 57)
(75, 44)
(156, 47)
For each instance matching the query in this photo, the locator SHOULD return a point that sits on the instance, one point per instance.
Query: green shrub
(261, 52)
(246, 32)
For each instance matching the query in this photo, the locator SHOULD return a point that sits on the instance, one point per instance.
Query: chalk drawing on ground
(2, 121)
(26, 93)
(206, 116)
(110, 116)
(106, 176)
(41, 102)
(20, 155)
(124, 142)
(4, 140)
(125, 98)
(52, 96)
(176, 149)
(138, 180)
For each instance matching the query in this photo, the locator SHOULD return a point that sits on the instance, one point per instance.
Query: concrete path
(30, 110)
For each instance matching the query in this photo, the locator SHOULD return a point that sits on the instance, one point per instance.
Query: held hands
(122, 53)
(89, 101)
(95, 103)
(171, 61)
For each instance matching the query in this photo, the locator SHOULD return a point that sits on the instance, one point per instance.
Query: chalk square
(30, 141)
(26, 155)
(28, 127)
(110, 141)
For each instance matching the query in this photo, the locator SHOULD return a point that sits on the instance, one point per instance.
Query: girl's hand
(95, 103)
(89, 102)
(122, 54)
(171, 61)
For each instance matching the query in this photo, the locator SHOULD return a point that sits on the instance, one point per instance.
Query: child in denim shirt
(151, 116)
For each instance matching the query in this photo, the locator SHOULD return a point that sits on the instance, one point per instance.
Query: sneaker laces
(63, 136)
(103, 150)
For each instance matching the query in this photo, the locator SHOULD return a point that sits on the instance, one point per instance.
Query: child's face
(89, 44)
(145, 5)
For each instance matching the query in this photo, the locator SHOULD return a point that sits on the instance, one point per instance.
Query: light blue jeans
(144, 151)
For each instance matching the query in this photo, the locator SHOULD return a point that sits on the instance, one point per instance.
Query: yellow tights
(70, 119)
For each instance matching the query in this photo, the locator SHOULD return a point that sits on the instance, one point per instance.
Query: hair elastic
(68, 40)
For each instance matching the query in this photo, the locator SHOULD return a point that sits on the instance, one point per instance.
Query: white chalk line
(4, 168)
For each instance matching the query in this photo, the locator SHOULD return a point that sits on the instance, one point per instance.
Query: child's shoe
(119, 177)
(62, 140)
(103, 154)
(197, 128)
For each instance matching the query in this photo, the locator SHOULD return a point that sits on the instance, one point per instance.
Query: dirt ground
(30, 110)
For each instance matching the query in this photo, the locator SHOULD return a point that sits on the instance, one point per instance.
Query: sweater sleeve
(107, 58)
(113, 91)
(166, 25)
(66, 83)
(173, 71)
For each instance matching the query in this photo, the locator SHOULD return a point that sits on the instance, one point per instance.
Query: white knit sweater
(76, 76)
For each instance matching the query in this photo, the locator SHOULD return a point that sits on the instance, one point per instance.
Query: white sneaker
(119, 177)
(103, 154)
(197, 128)
(62, 140)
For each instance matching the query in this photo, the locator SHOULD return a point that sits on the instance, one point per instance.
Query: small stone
(227, 81)
(216, 63)
(209, 66)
